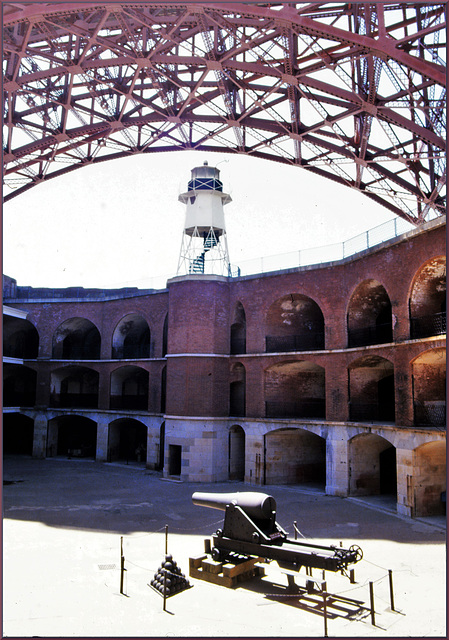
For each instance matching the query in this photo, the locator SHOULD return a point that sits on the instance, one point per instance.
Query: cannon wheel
(216, 554)
(358, 552)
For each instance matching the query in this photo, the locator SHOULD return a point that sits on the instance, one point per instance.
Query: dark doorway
(387, 471)
(174, 459)
(237, 454)
(18, 433)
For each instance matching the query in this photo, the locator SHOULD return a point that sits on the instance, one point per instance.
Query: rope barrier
(374, 564)
(144, 535)
(139, 566)
(172, 528)
(201, 526)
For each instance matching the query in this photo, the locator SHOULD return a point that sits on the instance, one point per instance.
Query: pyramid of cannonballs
(175, 581)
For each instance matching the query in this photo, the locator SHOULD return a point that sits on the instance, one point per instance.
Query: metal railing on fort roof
(327, 253)
(294, 259)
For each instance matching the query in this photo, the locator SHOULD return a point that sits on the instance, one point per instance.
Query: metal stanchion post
(294, 527)
(325, 613)
(122, 573)
(165, 589)
(122, 565)
(371, 597)
(390, 579)
(166, 539)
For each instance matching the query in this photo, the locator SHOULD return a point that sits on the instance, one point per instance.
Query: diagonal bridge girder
(352, 92)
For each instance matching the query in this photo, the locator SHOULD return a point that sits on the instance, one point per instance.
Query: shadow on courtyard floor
(82, 494)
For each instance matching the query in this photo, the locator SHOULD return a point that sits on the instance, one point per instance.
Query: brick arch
(74, 386)
(372, 465)
(76, 338)
(293, 455)
(295, 389)
(19, 385)
(73, 436)
(294, 322)
(429, 388)
(129, 388)
(131, 337)
(427, 299)
(127, 440)
(20, 338)
(369, 314)
(371, 389)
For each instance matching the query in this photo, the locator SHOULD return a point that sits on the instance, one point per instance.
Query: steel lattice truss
(352, 92)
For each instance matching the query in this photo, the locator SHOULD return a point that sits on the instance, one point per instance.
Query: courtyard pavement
(65, 521)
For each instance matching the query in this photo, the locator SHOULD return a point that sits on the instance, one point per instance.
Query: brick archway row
(409, 439)
(352, 92)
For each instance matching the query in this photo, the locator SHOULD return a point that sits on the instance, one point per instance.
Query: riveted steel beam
(353, 92)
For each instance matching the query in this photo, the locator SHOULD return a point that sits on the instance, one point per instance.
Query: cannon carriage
(250, 529)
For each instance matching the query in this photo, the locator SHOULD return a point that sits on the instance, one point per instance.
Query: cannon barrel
(256, 505)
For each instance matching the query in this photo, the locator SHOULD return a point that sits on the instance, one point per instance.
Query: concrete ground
(62, 529)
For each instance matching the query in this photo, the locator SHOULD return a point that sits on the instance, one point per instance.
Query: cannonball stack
(175, 582)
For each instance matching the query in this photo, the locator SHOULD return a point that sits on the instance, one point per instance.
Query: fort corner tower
(204, 248)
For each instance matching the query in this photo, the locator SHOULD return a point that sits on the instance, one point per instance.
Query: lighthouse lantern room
(204, 246)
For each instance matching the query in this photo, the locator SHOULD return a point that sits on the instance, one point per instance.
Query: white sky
(120, 223)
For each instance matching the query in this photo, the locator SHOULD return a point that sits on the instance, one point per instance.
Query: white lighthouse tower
(204, 247)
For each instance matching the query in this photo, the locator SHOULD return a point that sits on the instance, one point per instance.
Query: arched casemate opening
(236, 453)
(372, 466)
(429, 388)
(132, 338)
(428, 300)
(430, 479)
(74, 387)
(369, 315)
(237, 391)
(20, 338)
(18, 434)
(76, 339)
(129, 388)
(127, 441)
(19, 386)
(294, 456)
(371, 390)
(295, 390)
(294, 323)
(238, 330)
(72, 436)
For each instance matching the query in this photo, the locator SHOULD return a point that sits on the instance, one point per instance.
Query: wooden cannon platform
(226, 574)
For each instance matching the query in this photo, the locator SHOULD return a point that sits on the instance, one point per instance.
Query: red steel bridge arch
(354, 92)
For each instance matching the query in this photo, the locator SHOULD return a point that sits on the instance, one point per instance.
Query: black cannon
(250, 528)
